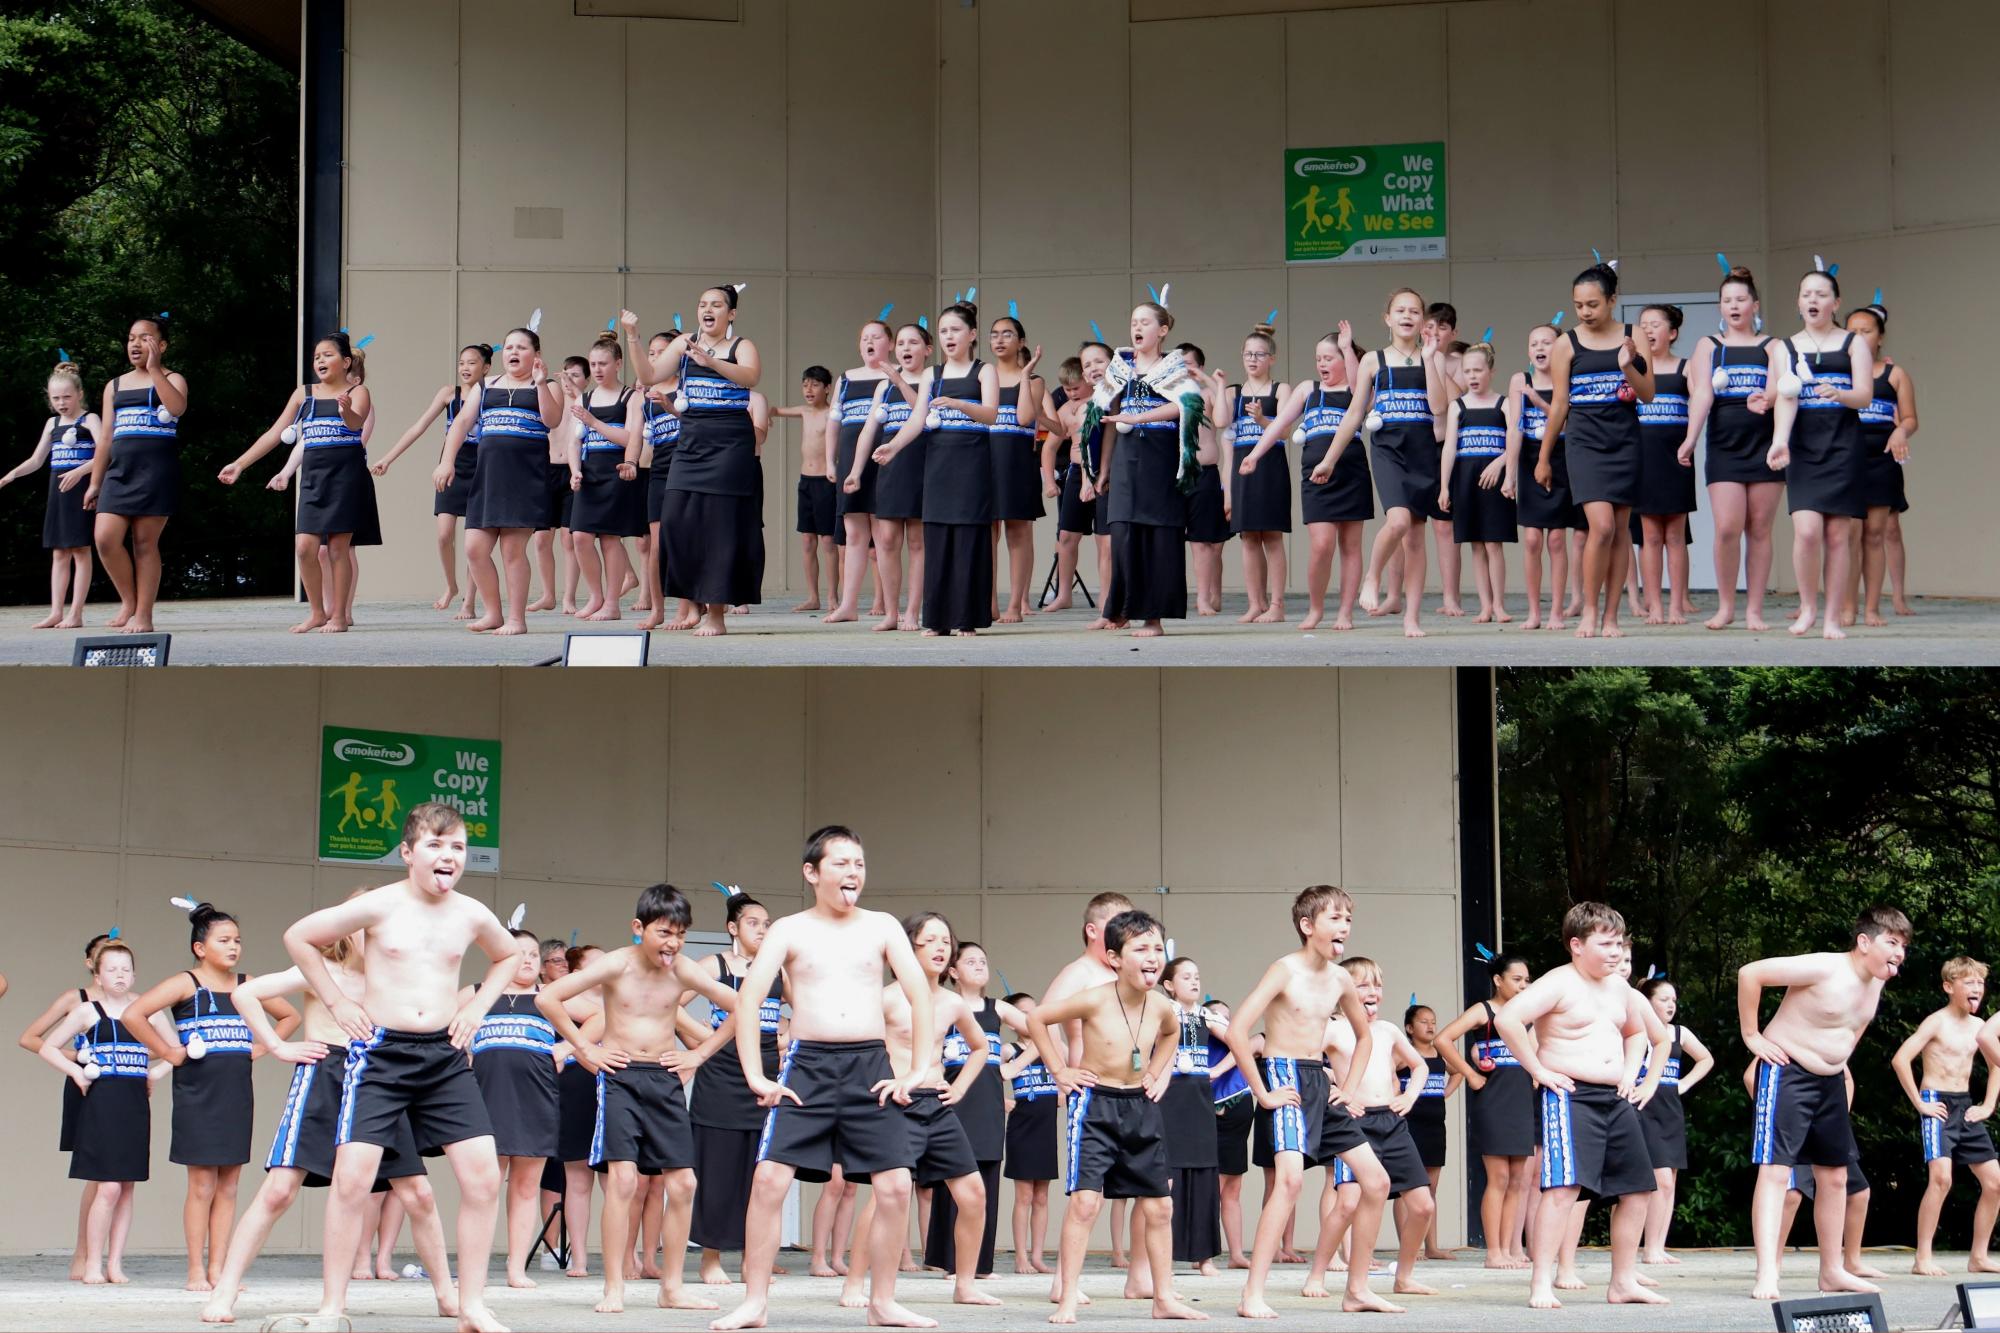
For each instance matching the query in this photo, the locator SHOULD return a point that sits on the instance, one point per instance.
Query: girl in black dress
(899, 484)
(513, 1058)
(1427, 1117)
(1017, 492)
(1141, 493)
(660, 432)
(961, 399)
(1260, 510)
(1833, 375)
(68, 443)
(1474, 466)
(336, 489)
(1665, 1122)
(474, 361)
(1598, 384)
(514, 415)
(1733, 391)
(853, 403)
(1033, 1126)
(982, 1112)
(1666, 484)
(1887, 424)
(1188, 1113)
(609, 502)
(1502, 1114)
(62, 1007)
(1545, 513)
(135, 482)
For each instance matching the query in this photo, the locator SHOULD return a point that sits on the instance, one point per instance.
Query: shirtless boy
(1583, 1015)
(1311, 1124)
(1801, 1107)
(817, 524)
(407, 1041)
(1954, 1129)
(835, 1084)
(642, 1115)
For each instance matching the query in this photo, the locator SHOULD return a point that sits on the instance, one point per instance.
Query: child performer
(68, 443)
(135, 482)
(1502, 1114)
(817, 522)
(982, 1110)
(517, 1061)
(1473, 470)
(1426, 1118)
(1031, 1143)
(1235, 1109)
(449, 508)
(1187, 1112)
(1663, 1118)
(1666, 485)
(1261, 500)
(1545, 511)
(30, 1040)
(1953, 1129)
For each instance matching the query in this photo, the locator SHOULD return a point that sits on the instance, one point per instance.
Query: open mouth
(850, 894)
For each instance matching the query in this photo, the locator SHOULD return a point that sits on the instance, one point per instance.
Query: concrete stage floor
(252, 632)
(1709, 1291)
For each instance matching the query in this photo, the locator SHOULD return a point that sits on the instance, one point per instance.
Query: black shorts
(1951, 1137)
(642, 1117)
(1395, 1148)
(1204, 520)
(1117, 1145)
(1800, 1118)
(1592, 1139)
(420, 1075)
(937, 1141)
(1232, 1134)
(1312, 1128)
(310, 1120)
(836, 1118)
(816, 505)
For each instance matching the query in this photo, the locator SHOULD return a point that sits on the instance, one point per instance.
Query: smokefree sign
(370, 779)
(1373, 203)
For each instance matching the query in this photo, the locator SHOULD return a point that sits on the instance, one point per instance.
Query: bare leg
(1983, 1215)
(478, 1171)
(1660, 1216)
(1767, 1208)
(1078, 1217)
(1628, 1220)
(1448, 566)
(1281, 1196)
(1760, 521)
(1275, 574)
(1413, 586)
(97, 1235)
(679, 1187)
(1899, 566)
(274, 1197)
(1550, 1227)
(524, 1216)
(1067, 544)
(413, 1195)
(578, 1179)
(195, 1213)
(1839, 552)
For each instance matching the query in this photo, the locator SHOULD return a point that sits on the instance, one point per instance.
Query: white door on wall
(700, 944)
(1699, 313)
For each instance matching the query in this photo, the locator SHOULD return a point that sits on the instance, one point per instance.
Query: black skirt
(1665, 1123)
(1348, 496)
(1074, 513)
(862, 501)
(1503, 1114)
(713, 548)
(576, 1113)
(143, 478)
(656, 487)
(1233, 1119)
(958, 576)
(983, 1114)
(457, 492)
(1205, 522)
(72, 1102)
(1478, 514)
(1881, 475)
(1824, 475)
(66, 524)
(510, 484)
(523, 1100)
(114, 1131)
(1148, 573)
(213, 1107)
(1017, 478)
(724, 1162)
(899, 484)
(1603, 445)
(1406, 468)
(1552, 509)
(1262, 501)
(1665, 487)
(337, 492)
(1031, 1139)
(606, 505)
(1187, 1113)
(1197, 1222)
(1427, 1128)
(1738, 444)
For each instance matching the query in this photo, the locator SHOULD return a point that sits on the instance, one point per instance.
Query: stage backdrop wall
(1003, 798)
(508, 154)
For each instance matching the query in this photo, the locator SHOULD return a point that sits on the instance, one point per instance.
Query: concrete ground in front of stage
(1709, 1291)
(252, 632)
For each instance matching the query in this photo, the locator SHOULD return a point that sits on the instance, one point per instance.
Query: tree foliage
(148, 162)
(1738, 814)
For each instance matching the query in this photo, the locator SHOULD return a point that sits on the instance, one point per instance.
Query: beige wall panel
(1226, 766)
(402, 133)
(736, 754)
(955, 154)
(1057, 311)
(858, 134)
(443, 701)
(256, 776)
(1827, 99)
(1032, 219)
(1947, 135)
(1208, 121)
(1215, 309)
(84, 807)
(1530, 175)
(1672, 134)
(1100, 730)
(701, 190)
(585, 789)
(1324, 294)
(1397, 725)
(522, 59)
(1339, 89)
(416, 354)
(894, 759)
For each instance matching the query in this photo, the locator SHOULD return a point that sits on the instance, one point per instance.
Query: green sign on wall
(1379, 202)
(370, 779)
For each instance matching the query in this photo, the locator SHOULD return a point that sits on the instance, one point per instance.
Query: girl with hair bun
(1471, 474)
(31, 1039)
(336, 491)
(1593, 409)
(608, 502)
(1666, 485)
(135, 482)
(1732, 390)
(1017, 491)
(1260, 499)
(1887, 424)
(711, 521)
(474, 360)
(68, 443)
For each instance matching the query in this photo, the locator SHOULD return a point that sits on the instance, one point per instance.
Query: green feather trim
(1093, 417)
(1190, 466)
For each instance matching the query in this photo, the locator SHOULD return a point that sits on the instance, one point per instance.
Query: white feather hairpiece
(185, 904)
(535, 321)
(520, 915)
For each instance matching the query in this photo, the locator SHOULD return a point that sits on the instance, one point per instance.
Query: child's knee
(679, 1186)
(1373, 1180)
(622, 1180)
(1084, 1208)
(971, 1196)
(892, 1188)
(1422, 1206)
(1288, 1181)
(1157, 1212)
(414, 1193)
(201, 1185)
(1938, 1172)
(479, 1181)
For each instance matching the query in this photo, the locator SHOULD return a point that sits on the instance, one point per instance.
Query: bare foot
(709, 629)
(1239, 1261)
(1654, 618)
(1441, 1256)
(336, 626)
(1370, 595)
(1411, 630)
(1544, 1298)
(219, 1311)
(1171, 1307)
(1041, 1265)
(1677, 617)
(309, 624)
(840, 1267)
(1534, 620)
(1555, 623)
(1152, 629)
(1832, 631)
(1661, 1258)
(492, 620)
(1311, 621)
(1866, 1270)
(1315, 1289)
(750, 1314)
(49, 621)
(1903, 608)
(1453, 609)
(547, 602)
(479, 1319)
(821, 1268)
(1587, 628)
(1802, 624)
(1874, 620)
(1007, 618)
(888, 1314)
(521, 1282)
(1766, 1290)
(1099, 623)
(1569, 1282)
(886, 623)
(1289, 1257)
(1979, 1263)
(195, 1282)
(1274, 616)
(509, 628)
(93, 1279)
(1755, 623)
(1257, 1309)
(1483, 618)
(609, 611)
(1407, 1286)
(1250, 617)
(1063, 1315)
(612, 1304)
(1635, 1294)
(839, 617)
(1612, 630)
(1059, 604)
(680, 1298)
(1206, 1268)
(964, 1293)
(444, 602)
(1645, 1281)
(1139, 1284)
(120, 619)
(116, 1276)
(649, 1271)
(908, 625)
(1367, 1301)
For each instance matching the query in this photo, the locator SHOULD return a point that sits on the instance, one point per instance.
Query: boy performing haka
(1309, 1125)
(642, 1115)
(832, 1091)
(1117, 1140)
(1801, 1108)
(1953, 1128)
(408, 1038)
(1583, 1015)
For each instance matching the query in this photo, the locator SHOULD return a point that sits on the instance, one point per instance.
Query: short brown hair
(119, 946)
(1586, 919)
(1363, 969)
(429, 818)
(1102, 908)
(1311, 902)
(1961, 967)
(1877, 921)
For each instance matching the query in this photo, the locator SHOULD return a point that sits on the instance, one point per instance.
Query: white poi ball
(290, 435)
(1374, 422)
(1720, 379)
(1788, 386)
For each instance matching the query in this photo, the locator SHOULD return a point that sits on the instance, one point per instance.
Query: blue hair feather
(114, 932)
(366, 338)
(1723, 261)
(726, 890)
(1487, 336)
(972, 293)
(1272, 318)
(1878, 301)
(1013, 309)
(1096, 332)
(883, 313)
(62, 353)
(923, 321)
(1486, 955)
